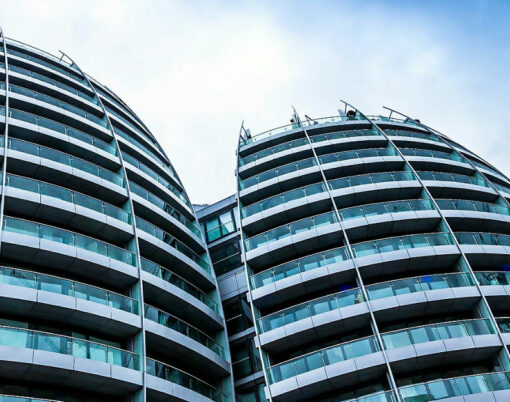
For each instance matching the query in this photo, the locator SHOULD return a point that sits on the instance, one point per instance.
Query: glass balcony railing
(385, 208)
(500, 187)
(58, 103)
(66, 345)
(55, 83)
(172, 242)
(503, 324)
(13, 398)
(432, 154)
(486, 167)
(290, 229)
(176, 280)
(382, 396)
(493, 278)
(483, 239)
(157, 160)
(303, 124)
(344, 134)
(413, 134)
(62, 128)
(51, 66)
(172, 322)
(298, 266)
(309, 309)
(283, 198)
(176, 376)
(418, 284)
(155, 200)
(451, 387)
(393, 120)
(58, 235)
(402, 243)
(117, 103)
(459, 178)
(468, 205)
(144, 168)
(277, 172)
(322, 358)
(362, 153)
(436, 332)
(66, 159)
(273, 150)
(372, 178)
(54, 284)
(64, 194)
(134, 128)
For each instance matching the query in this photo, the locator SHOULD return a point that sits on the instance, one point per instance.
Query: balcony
(298, 237)
(453, 185)
(300, 276)
(26, 354)
(489, 386)
(59, 204)
(394, 254)
(72, 302)
(165, 382)
(47, 245)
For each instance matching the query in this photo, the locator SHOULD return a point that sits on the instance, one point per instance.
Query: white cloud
(194, 70)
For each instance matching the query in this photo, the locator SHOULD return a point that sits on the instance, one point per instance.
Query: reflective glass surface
(37, 340)
(66, 237)
(49, 283)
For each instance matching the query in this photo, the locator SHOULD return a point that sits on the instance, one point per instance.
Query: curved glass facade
(107, 291)
(376, 253)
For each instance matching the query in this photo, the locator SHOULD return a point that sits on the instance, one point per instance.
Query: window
(226, 257)
(237, 314)
(219, 226)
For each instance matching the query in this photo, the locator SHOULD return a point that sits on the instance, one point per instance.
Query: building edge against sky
(107, 291)
(361, 257)
(371, 255)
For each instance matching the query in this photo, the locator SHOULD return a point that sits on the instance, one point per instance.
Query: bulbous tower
(377, 252)
(107, 291)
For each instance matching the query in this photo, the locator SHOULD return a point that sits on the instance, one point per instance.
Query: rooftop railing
(295, 126)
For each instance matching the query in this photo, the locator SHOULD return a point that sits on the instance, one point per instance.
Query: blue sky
(194, 70)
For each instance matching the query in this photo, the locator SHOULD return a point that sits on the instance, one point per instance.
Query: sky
(194, 70)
